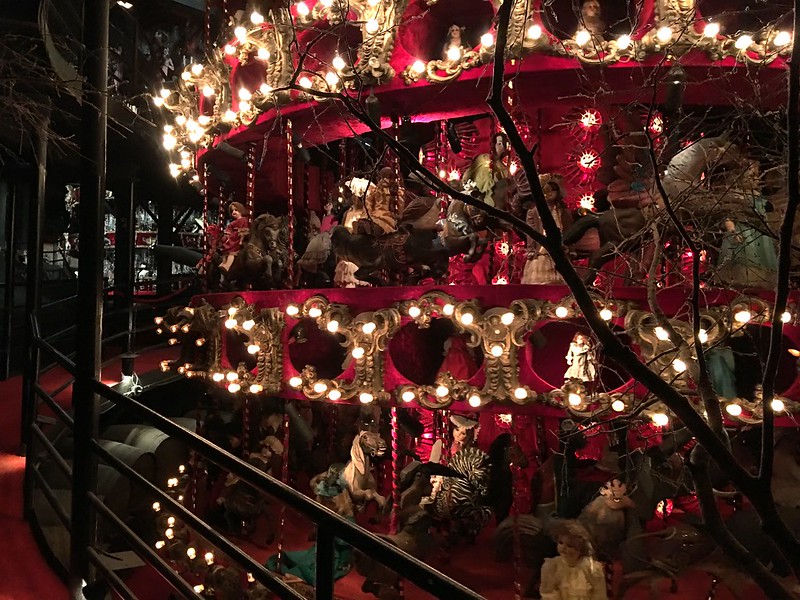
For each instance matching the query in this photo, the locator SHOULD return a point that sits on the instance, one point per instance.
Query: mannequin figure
(573, 574)
(454, 40)
(540, 269)
(580, 359)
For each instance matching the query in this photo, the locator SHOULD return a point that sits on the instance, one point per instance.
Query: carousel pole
(207, 26)
(284, 479)
(394, 519)
(290, 202)
(250, 189)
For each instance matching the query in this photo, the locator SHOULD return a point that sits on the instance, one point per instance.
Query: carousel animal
(356, 475)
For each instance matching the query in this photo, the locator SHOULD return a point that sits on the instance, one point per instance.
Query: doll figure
(487, 170)
(540, 268)
(574, 574)
(580, 359)
(592, 18)
(383, 202)
(454, 40)
(233, 237)
(319, 246)
(465, 431)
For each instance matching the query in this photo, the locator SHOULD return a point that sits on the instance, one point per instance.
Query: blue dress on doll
(747, 257)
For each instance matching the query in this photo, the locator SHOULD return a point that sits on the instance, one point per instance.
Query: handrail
(54, 406)
(51, 498)
(58, 356)
(113, 579)
(258, 570)
(416, 571)
(51, 450)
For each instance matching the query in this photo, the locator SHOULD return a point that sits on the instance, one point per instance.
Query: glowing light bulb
(661, 333)
(231, 376)
(497, 351)
(234, 387)
(617, 406)
(315, 312)
(733, 409)
(240, 33)
(204, 120)
(209, 558)
(660, 419)
(262, 54)
(332, 79)
(253, 348)
(196, 69)
(158, 101)
(623, 42)
(256, 388)
(474, 401)
(358, 352)
(256, 18)
(365, 397)
(169, 533)
(711, 30)
(582, 37)
(743, 42)
(304, 82)
(702, 335)
(574, 399)
(507, 318)
(218, 376)
(191, 553)
(199, 588)
(678, 365)
(230, 49)
(368, 328)
(334, 395)
(302, 9)
(245, 94)
(372, 26)
(448, 309)
(248, 324)
(742, 316)
(453, 53)
(777, 405)
(520, 393)
(442, 391)
(320, 387)
(156, 506)
(606, 314)
(534, 32)
(170, 141)
(160, 544)
(664, 35)
(295, 382)
(467, 318)
(408, 396)
(418, 67)
(786, 317)
(487, 40)
(338, 63)
(292, 310)
(229, 116)
(230, 323)
(782, 38)
(562, 312)
(332, 326)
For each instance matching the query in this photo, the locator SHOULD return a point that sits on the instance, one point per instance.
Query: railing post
(325, 550)
(124, 253)
(10, 277)
(94, 118)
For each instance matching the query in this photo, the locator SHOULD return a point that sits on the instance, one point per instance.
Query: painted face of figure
(454, 33)
(568, 551)
(236, 213)
(581, 340)
(551, 193)
(462, 435)
(590, 9)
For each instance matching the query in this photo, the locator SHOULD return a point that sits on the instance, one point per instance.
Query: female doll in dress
(580, 359)
(319, 246)
(540, 269)
(574, 574)
(233, 237)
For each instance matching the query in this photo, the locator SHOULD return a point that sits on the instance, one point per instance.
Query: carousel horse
(635, 200)
(356, 475)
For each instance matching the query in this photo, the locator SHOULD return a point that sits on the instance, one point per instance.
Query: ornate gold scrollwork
(429, 306)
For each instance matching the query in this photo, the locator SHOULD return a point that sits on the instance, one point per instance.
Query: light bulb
(332, 79)
(245, 94)
(582, 37)
(262, 54)
(742, 316)
(358, 352)
(487, 40)
(365, 397)
(606, 314)
(660, 419)
(743, 42)
(234, 387)
(664, 35)
(448, 309)
(209, 558)
(442, 391)
(520, 393)
(248, 324)
(156, 506)
(372, 26)
(534, 32)
(507, 318)
(711, 30)
(623, 42)
(661, 333)
(292, 310)
(256, 18)
(315, 312)
(218, 376)
(229, 116)
(334, 395)
(169, 533)
(256, 388)
(160, 544)
(338, 63)
(453, 53)
(231, 376)
(204, 120)
(733, 409)
(240, 33)
(777, 405)
(368, 328)
(467, 318)
(702, 335)
(191, 553)
(199, 588)
(197, 68)
(332, 326)
(418, 67)
(230, 49)
(158, 101)
(320, 387)
(562, 312)
(574, 399)
(782, 38)
(497, 351)
(414, 311)
(230, 323)
(165, 93)
(408, 396)
(618, 406)
(253, 348)
(295, 382)
(678, 365)
(302, 9)
(474, 400)
(786, 317)
(170, 141)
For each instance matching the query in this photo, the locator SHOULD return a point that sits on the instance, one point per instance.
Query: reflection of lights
(606, 314)
(623, 42)
(474, 401)
(442, 391)
(587, 202)
(453, 53)
(711, 30)
(506, 418)
(418, 67)
(358, 352)
(507, 318)
(574, 399)
(733, 409)
(334, 395)
(589, 161)
(660, 419)
(590, 118)
(743, 42)
(497, 351)
(467, 318)
(408, 396)
(664, 34)
(742, 316)
(534, 32)
(454, 175)
(777, 405)
(678, 365)
(617, 406)
(487, 40)
(661, 333)
(520, 393)
(582, 37)
(782, 38)
(562, 312)
(295, 382)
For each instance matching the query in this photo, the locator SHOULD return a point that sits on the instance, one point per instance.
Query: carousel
(378, 333)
